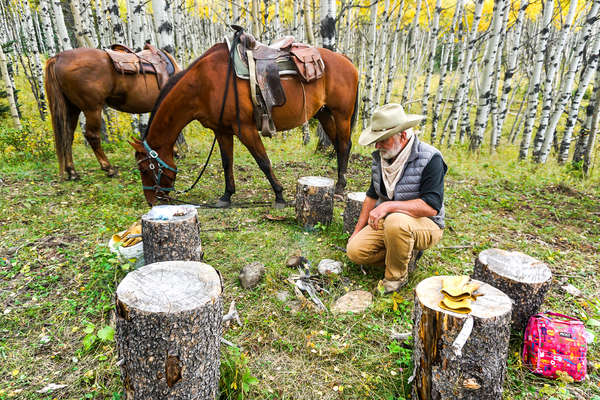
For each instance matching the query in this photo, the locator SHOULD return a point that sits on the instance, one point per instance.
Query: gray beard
(391, 153)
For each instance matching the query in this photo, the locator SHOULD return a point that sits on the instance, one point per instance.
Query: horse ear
(136, 144)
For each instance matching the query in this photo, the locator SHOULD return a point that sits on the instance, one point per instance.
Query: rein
(153, 155)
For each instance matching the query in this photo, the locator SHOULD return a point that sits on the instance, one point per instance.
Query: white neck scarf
(391, 172)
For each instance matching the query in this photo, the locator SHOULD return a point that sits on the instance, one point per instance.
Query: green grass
(57, 277)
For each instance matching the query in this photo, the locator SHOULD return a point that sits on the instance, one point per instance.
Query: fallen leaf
(274, 217)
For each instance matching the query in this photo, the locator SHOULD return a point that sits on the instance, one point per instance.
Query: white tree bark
(14, 113)
(591, 140)
(489, 70)
(118, 29)
(392, 61)
(308, 25)
(382, 54)
(61, 29)
(81, 34)
(277, 20)
(589, 31)
(433, 41)
(369, 90)
(328, 14)
(33, 52)
(461, 97)
(412, 50)
(584, 132)
(534, 82)
(164, 26)
(510, 71)
(136, 24)
(543, 136)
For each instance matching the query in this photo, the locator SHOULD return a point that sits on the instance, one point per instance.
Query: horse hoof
(73, 176)
(279, 205)
(112, 172)
(222, 204)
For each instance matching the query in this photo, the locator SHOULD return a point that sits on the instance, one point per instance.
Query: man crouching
(404, 206)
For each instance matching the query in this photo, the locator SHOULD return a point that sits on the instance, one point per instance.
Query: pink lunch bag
(555, 344)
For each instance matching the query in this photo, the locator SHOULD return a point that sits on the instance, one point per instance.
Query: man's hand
(377, 214)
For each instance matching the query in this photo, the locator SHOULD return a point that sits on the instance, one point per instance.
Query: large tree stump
(478, 373)
(314, 201)
(523, 278)
(169, 331)
(171, 233)
(354, 203)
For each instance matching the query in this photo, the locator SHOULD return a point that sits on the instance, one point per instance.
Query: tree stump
(171, 233)
(354, 203)
(523, 278)
(314, 201)
(169, 331)
(478, 373)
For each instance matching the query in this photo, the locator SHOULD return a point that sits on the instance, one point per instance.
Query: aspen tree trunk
(433, 40)
(83, 40)
(489, 67)
(46, 13)
(591, 141)
(36, 68)
(511, 68)
(590, 31)
(392, 61)
(89, 24)
(14, 113)
(461, 97)
(308, 25)
(534, 82)
(38, 31)
(181, 46)
(255, 27)
(277, 21)
(383, 41)
(584, 132)
(61, 29)
(584, 81)
(164, 27)
(295, 18)
(328, 14)
(446, 62)
(118, 30)
(542, 136)
(412, 54)
(370, 71)
(136, 25)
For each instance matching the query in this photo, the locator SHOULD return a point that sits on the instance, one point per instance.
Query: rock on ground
(327, 266)
(355, 301)
(251, 275)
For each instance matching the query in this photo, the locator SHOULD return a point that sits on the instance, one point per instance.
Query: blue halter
(153, 155)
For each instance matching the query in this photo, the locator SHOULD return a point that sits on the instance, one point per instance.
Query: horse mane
(173, 81)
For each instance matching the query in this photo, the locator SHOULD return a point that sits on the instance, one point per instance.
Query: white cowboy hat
(386, 121)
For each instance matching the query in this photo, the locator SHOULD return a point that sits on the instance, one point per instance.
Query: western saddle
(148, 61)
(264, 65)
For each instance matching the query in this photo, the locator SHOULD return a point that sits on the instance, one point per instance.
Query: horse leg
(250, 138)
(93, 120)
(338, 131)
(70, 126)
(225, 141)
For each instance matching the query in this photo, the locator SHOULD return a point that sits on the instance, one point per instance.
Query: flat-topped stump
(354, 203)
(478, 371)
(168, 320)
(524, 279)
(314, 201)
(171, 233)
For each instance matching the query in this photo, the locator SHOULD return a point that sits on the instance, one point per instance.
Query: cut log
(477, 371)
(314, 201)
(523, 278)
(171, 233)
(354, 203)
(168, 318)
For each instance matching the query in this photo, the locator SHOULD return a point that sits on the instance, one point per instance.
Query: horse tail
(59, 112)
(354, 112)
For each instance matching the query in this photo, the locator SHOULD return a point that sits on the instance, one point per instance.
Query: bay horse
(198, 93)
(84, 80)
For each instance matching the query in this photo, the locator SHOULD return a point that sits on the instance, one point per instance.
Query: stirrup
(267, 128)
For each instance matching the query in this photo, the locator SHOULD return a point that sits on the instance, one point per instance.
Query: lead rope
(230, 71)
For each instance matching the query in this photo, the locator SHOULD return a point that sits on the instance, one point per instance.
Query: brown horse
(84, 80)
(197, 93)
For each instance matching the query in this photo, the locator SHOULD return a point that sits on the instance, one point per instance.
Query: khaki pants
(392, 244)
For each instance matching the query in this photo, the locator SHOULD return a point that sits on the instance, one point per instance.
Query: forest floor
(58, 278)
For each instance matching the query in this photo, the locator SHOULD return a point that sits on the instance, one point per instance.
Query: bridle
(157, 167)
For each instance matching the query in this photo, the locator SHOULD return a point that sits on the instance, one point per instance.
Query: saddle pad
(286, 65)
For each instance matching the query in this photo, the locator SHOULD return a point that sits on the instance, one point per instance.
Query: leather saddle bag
(309, 63)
